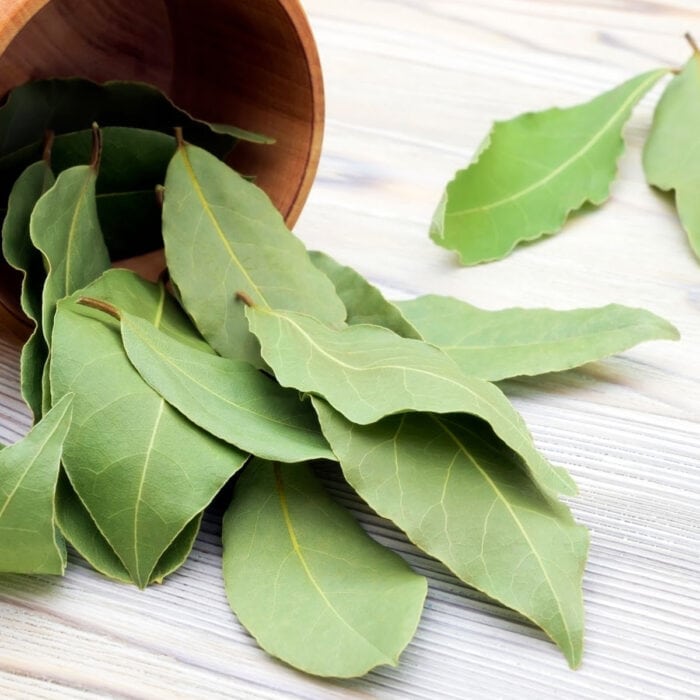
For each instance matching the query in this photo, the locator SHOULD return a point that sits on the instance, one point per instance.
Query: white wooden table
(413, 86)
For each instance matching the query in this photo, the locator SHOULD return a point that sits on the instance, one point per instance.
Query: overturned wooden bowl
(252, 63)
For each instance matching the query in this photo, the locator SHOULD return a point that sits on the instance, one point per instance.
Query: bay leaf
(141, 469)
(224, 236)
(65, 228)
(368, 372)
(65, 105)
(133, 163)
(228, 398)
(21, 254)
(462, 496)
(497, 345)
(29, 542)
(363, 301)
(669, 161)
(78, 528)
(308, 583)
(535, 170)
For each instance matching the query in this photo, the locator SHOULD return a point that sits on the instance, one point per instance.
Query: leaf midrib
(31, 464)
(279, 483)
(149, 452)
(572, 159)
(499, 495)
(74, 226)
(189, 169)
(552, 343)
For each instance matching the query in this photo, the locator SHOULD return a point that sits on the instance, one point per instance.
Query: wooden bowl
(252, 63)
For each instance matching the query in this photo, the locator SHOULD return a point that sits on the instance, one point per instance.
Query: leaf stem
(242, 296)
(96, 146)
(179, 137)
(693, 44)
(48, 146)
(100, 305)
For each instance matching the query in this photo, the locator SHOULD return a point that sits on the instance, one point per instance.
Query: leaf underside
(496, 345)
(29, 541)
(368, 372)
(160, 470)
(308, 583)
(474, 508)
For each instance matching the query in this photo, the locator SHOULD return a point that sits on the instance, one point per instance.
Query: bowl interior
(249, 63)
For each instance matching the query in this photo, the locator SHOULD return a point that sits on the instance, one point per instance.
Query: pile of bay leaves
(256, 359)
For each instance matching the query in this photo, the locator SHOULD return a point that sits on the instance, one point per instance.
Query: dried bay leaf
(78, 527)
(20, 252)
(670, 161)
(368, 372)
(474, 508)
(142, 470)
(29, 542)
(133, 163)
(497, 345)
(65, 228)
(242, 245)
(228, 398)
(363, 301)
(533, 172)
(308, 583)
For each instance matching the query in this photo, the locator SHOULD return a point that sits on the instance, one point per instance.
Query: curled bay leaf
(363, 301)
(242, 245)
(308, 583)
(228, 398)
(19, 251)
(496, 345)
(368, 372)
(474, 508)
(534, 171)
(140, 468)
(29, 541)
(670, 160)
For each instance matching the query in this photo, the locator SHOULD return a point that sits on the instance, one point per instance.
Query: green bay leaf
(308, 583)
(534, 171)
(133, 163)
(78, 528)
(669, 154)
(29, 541)
(363, 301)
(463, 497)
(230, 399)
(20, 253)
(65, 228)
(368, 372)
(497, 345)
(242, 246)
(140, 468)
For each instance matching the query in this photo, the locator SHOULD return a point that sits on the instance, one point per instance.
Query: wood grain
(413, 86)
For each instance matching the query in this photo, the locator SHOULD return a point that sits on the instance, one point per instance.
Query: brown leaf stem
(100, 305)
